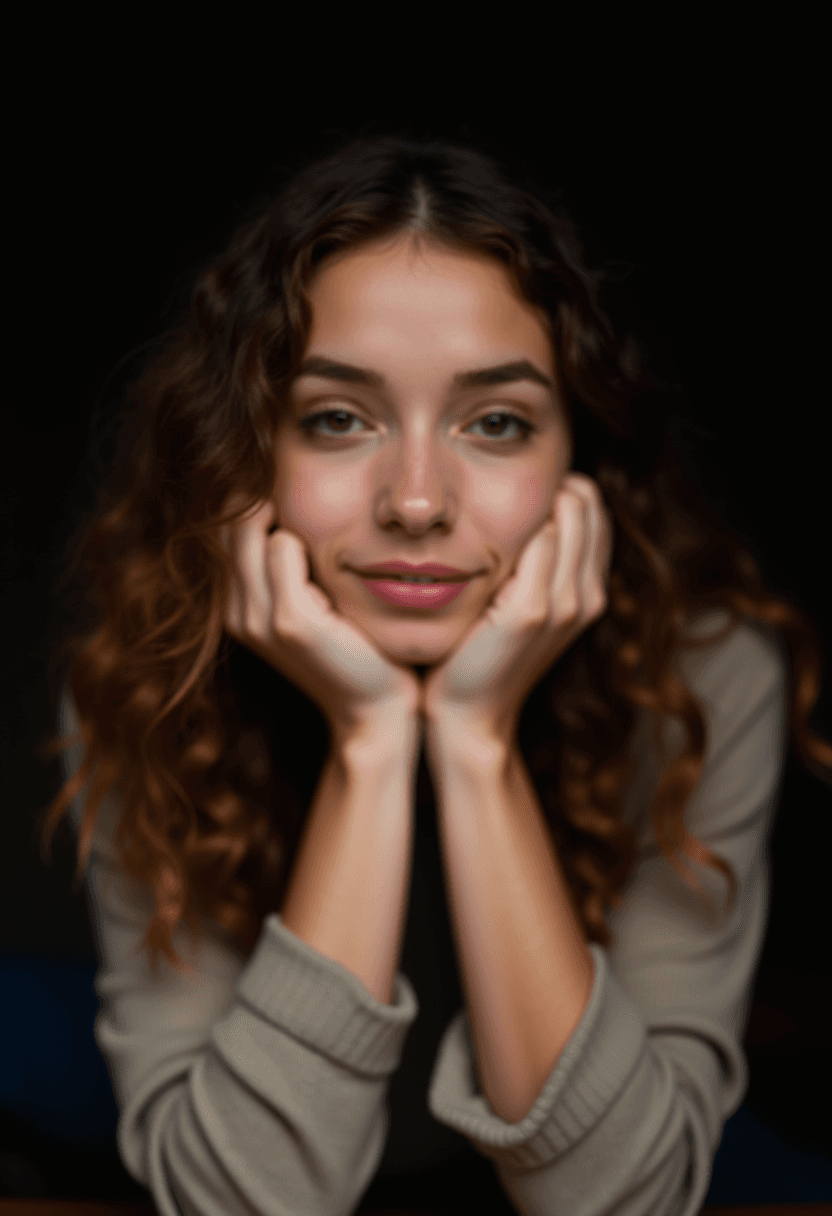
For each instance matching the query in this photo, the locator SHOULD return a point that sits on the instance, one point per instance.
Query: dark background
(701, 167)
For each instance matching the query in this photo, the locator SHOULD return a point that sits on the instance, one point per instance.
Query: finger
(285, 575)
(603, 530)
(289, 576)
(598, 557)
(570, 553)
(527, 593)
(250, 559)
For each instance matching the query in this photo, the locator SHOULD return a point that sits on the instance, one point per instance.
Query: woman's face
(415, 466)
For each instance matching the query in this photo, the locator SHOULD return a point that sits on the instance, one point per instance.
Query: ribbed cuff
(318, 1001)
(607, 1045)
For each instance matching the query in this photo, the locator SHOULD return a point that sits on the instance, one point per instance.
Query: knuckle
(253, 622)
(571, 605)
(536, 618)
(290, 626)
(284, 625)
(599, 606)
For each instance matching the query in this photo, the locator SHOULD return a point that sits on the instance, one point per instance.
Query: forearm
(526, 965)
(347, 893)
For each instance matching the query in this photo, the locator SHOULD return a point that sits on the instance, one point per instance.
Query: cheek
(318, 501)
(510, 508)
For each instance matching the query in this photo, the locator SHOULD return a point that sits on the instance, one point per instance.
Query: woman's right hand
(278, 613)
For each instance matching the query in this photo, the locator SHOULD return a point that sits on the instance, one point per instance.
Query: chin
(419, 657)
(413, 643)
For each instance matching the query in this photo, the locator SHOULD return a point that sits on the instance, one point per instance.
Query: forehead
(430, 288)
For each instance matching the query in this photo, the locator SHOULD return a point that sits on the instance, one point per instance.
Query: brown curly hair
(216, 755)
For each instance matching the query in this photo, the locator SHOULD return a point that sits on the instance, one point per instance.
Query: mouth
(415, 592)
(410, 578)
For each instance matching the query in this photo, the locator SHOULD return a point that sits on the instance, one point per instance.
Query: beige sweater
(276, 1085)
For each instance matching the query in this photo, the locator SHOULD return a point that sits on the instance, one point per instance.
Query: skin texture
(419, 472)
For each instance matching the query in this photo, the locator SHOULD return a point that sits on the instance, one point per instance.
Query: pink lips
(414, 595)
(434, 569)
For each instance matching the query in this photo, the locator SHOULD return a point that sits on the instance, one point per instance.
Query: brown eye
(310, 425)
(342, 418)
(501, 418)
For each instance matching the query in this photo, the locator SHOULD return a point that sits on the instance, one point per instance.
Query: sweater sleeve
(251, 1087)
(630, 1119)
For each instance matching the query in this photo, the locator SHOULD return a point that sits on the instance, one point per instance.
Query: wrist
(464, 739)
(392, 733)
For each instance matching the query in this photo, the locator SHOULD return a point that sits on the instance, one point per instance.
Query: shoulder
(746, 639)
(746, 668)
(740, 684)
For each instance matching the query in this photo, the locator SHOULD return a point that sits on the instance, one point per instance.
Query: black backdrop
(117, 190)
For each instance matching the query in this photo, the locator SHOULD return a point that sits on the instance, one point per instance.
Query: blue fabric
(755, 1165)
(52, 1073)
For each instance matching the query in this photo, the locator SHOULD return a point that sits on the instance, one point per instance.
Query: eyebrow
(480, 377)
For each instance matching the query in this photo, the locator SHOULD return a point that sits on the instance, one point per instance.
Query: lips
(415, 580)
(403, 594)
(407, 571)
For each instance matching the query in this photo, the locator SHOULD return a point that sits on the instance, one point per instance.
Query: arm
(347, 894)
(527, 968)
(629, 1120)
(255, 1084)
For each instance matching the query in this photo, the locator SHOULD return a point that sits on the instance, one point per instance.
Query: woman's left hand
(559, 588)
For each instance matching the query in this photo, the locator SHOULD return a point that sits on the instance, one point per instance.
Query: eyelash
(308, 424)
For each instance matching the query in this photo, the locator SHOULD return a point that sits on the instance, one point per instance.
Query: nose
(416, 491)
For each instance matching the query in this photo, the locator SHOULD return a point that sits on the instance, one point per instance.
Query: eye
(309, 425)
(526, 429)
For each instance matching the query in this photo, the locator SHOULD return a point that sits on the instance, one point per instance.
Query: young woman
(528, 801)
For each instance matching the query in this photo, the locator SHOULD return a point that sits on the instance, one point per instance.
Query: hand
(278, 613)
(558, 589)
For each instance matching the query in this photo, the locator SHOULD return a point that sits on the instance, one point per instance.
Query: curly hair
(215, 754)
